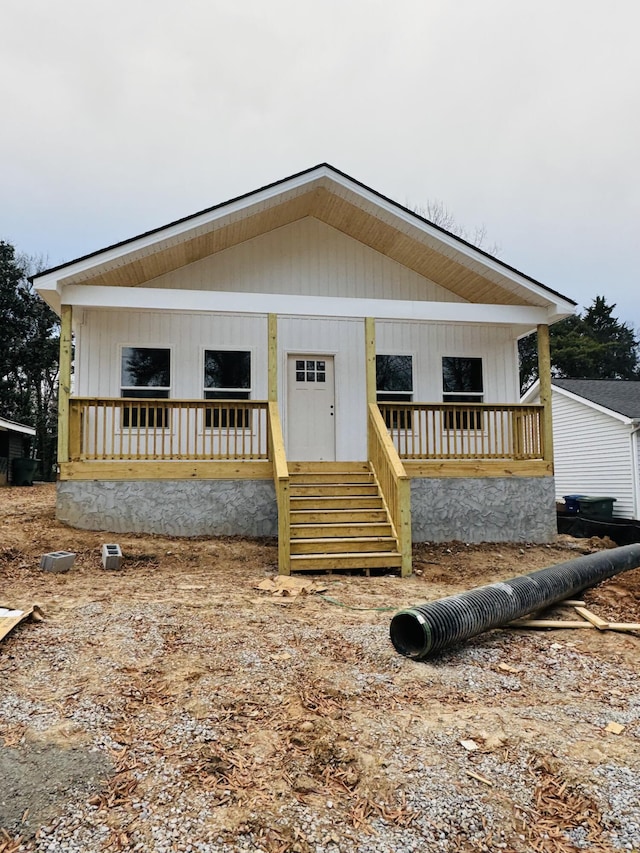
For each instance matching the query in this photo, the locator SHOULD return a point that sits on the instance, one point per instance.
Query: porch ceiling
(339, 202)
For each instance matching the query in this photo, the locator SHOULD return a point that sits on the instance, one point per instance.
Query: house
(596, 435)
(15, 443)
(310, 360)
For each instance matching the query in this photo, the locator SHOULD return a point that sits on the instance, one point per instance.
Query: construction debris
(589, 620)
(112, 556)
(57, 561)
(285, 586)
(10, 617)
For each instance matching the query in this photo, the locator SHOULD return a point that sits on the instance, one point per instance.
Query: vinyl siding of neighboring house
(592, 454)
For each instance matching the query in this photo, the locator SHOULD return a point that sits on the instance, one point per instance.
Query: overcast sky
(520, 115)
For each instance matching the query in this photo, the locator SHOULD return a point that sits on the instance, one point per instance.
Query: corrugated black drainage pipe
(427, 629)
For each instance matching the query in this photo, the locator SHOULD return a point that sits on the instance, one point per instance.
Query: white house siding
(592, 454)
(429, 342)
(636, 474)
(307, 258)
(100, 335)
(344, 339)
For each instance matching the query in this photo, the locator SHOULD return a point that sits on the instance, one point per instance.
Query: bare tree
(437, 212)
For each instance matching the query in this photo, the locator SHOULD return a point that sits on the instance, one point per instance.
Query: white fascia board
(531, 393)
(12, 426)
(149, 298)
(579, 399)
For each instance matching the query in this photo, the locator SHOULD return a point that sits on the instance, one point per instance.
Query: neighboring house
(596, 436)
(310, 359)
(15, 442)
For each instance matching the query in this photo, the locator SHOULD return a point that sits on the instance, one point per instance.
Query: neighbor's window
(145, 373)
(462, 383)
(394, 384)
(227, 376)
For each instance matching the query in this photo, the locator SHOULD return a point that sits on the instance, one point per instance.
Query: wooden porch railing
(281, 480)
(393, 481)
(465, 431)
(120, 428)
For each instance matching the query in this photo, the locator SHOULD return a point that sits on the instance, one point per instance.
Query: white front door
(311, 433)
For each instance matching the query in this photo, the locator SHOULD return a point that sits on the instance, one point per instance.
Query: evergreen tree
(29, 346)
(592, 345)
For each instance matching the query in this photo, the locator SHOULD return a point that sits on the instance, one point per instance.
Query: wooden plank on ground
(601, 624)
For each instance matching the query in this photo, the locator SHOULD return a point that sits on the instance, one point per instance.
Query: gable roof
(338, 200)
(618, 395)
(13, 426)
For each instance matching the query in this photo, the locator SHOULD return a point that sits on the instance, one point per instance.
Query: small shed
(596, 439)
(15, 442)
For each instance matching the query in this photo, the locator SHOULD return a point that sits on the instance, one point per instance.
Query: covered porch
(159, 439)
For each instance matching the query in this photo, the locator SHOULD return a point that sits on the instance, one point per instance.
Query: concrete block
(111, 557)
(57, 561)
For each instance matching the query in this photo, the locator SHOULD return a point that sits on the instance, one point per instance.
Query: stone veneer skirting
(170, 507)
(491, 509)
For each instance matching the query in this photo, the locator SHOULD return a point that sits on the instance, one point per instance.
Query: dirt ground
(176, 705)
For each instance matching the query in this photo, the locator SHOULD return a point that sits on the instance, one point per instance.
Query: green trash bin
(598, 508)
(23, 471)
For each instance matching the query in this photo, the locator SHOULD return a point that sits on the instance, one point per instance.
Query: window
(227, 376)
(145, 373)
(310, 370)
(462, 383)
(394, 384)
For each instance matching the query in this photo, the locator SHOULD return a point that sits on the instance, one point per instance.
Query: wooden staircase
(339, 519)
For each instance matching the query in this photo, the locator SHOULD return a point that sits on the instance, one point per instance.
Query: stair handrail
(278, 456)
(394, 483)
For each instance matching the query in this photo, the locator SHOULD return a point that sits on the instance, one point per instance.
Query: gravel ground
(174, 706)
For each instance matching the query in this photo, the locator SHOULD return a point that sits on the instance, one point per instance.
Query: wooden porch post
(64, 383)
(370, 349)
(544, 372)
(370, 369)
(272, 358)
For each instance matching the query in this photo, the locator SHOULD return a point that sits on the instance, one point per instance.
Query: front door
(311, 434)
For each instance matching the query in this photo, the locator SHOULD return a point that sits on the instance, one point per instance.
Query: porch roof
(334, 198)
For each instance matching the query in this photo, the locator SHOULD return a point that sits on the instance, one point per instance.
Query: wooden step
(322, 477)
(345, 516)
(322, 531)
(336, 502)
(324, 545)
(306, 489)
(328, 562)
(319, 467)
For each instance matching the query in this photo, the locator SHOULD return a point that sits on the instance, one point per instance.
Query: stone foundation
(492, 509)
(170, 507)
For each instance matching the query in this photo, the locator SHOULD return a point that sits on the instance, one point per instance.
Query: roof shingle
(618, 395)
